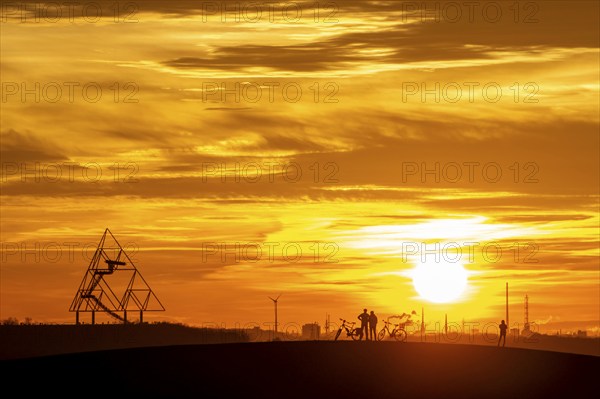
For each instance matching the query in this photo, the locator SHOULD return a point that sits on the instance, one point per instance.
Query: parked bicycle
(398, 332)
(348, 327)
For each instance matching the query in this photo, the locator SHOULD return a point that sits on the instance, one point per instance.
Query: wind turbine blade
(278, 296)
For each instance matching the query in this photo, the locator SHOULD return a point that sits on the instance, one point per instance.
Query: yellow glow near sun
(440, 281)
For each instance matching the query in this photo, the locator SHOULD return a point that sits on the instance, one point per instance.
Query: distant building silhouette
(311, 331)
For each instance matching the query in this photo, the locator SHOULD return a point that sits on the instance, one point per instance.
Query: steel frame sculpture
(95, 293)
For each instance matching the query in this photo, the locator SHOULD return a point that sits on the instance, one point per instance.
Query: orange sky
(361, 132)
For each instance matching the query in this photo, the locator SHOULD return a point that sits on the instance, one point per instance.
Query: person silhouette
(364, 324)
(373, 325)
(503, 328)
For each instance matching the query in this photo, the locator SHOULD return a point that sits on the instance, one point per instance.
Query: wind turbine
(275, 303)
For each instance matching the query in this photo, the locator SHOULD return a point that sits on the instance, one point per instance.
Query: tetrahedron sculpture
(112, 284)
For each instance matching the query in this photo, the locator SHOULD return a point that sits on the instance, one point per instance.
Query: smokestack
(446, 325)
(422, 323)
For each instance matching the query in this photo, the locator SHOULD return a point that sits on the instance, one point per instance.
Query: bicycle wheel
(355, 334)
(337, 335)
(381, 335)
(400, 335)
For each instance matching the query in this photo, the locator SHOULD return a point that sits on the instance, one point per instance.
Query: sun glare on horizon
(439, 281)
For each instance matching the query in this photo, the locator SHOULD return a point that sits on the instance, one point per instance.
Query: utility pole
(507, 323)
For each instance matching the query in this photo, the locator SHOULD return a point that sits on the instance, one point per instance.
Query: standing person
(364, 324)
(503, 328)
(373, 326)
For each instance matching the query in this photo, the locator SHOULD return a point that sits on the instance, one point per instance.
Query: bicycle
(352, 332)
(397, 332)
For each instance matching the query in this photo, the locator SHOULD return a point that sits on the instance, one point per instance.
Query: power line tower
(112, 284)
(526, 326)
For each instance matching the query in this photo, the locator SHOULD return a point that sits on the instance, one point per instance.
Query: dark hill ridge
(34, 340)
(312, 369)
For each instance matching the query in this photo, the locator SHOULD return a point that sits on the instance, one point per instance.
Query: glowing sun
(439, 282)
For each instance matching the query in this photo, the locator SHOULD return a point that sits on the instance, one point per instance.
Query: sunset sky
(348, 165)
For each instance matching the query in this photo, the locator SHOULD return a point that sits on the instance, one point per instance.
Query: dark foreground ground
(309, 369)
(34, 340)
